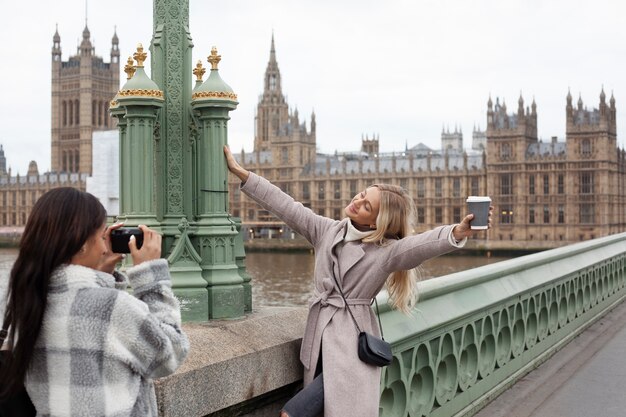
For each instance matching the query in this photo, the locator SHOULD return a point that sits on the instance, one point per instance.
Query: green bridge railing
(474, 333)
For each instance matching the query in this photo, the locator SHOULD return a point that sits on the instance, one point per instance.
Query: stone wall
(248, 367)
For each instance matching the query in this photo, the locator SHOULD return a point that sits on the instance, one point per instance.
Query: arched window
(76, 161)
(77, 111)
(70, 110)
(64, 107)
(585, 147)
(99, 115)
(93, 112)
(64, 161)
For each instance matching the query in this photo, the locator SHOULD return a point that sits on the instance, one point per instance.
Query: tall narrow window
(353, 188)
(76, 112)
(546, 184)
(586, 183)
(531, 185)
(506, 184)
(337, 187)
(456, 214)
(531, 214)
(474, 186)
(561, 184)
(421, 188)
(561, 213)
(456, 187)
(585, 147)
(438, 188)
(438, 215)
(586, 213)
(546, 214)
(421, 215)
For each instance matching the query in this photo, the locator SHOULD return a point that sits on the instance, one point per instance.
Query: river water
(285, 278)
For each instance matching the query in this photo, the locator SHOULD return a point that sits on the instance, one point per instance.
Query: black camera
(120, 237)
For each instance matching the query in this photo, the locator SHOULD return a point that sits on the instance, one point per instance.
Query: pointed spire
(580, 101)
(56, 38)
(273, 50)
(612, 101)
(602, 95)
(56, 45)
(115, 40)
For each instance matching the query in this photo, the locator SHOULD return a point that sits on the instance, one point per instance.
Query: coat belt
(328, 297)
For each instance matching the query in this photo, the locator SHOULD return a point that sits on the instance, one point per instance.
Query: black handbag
(372, 350)
(19, 404)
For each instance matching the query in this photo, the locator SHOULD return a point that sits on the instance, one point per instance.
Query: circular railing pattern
(429, 375)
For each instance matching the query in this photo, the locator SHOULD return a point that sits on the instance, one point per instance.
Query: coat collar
(351, 253)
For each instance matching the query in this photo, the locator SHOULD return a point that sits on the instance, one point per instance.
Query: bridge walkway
(586, 378)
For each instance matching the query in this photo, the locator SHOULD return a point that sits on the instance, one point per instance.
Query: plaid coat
(99, 347)
(351, 387)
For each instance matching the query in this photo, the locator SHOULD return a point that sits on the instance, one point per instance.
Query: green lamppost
(172, 168)
(211, 102)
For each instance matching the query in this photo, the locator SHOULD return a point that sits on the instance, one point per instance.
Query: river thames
(285, 278)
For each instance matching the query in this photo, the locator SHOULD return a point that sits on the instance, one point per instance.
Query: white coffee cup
(479, 207)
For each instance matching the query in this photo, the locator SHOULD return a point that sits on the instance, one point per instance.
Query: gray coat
(351, 387)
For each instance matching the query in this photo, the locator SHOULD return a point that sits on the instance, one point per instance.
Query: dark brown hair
(58, 226)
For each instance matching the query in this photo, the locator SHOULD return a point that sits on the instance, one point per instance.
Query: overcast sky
(398, 69)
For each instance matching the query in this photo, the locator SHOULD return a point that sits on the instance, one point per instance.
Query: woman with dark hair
(80, 344)
(372, 246)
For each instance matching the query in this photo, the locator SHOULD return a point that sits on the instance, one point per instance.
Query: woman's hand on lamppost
(233, 165)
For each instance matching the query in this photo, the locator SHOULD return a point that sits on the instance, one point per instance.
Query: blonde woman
(370, 247)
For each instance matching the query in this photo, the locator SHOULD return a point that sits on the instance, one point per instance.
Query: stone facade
(554, 193)
(18, 193)
(82, 88)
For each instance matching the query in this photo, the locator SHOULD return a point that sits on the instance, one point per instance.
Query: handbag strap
(350, 310)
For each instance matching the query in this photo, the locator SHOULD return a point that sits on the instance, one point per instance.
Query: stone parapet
(248, 366)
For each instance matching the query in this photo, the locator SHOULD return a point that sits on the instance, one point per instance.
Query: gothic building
(82, 87)
(556, 191)
(81, 90)
(546, 194)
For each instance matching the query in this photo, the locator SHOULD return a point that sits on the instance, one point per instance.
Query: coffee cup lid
(477, 199)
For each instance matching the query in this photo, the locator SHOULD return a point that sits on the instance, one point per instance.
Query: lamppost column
(141, 100)
(217, 232)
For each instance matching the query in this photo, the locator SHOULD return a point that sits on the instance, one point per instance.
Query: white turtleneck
(354, 234)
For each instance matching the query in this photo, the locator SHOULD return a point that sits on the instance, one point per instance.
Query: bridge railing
(474, 333)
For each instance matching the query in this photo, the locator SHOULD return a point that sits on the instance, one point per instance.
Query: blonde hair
(395, 215)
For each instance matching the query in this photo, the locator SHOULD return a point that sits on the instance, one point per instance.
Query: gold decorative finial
(214, 58)
(129, 68)
(199, 71)
(140, 56)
